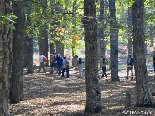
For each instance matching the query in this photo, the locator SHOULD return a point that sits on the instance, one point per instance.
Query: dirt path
(50, 95)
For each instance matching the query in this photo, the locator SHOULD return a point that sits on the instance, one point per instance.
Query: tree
(16, 89)
(43, 39)
(5, 55)
(101, 28)
(144, 95)
(129, 31)
(113, 41)
(93, 92)
(29, 43)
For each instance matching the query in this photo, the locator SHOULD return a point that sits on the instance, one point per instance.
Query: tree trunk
(74, 48)
(29, 43)
(43, 43)
(52, 50)
(43, 40)
(144, 95)
(17, 67)
(59, 47)
(129, 22)
(93, 92)
(5, 55)
(113, 41)
(25, 50)
(74, 61)
(30, 68)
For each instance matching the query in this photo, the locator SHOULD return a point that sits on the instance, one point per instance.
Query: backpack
(81, 61)
(105, 61)
(130, 61)
(53, 57)
(44, 59)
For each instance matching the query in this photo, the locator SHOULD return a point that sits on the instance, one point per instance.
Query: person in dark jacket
(130, 63)
(154, 63)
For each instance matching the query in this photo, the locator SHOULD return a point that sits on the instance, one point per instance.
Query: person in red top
(53, 63)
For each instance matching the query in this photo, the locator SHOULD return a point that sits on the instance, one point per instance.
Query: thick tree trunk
(43, 40)
(5, 55)
(29, 43)
(113, 41)
(144, 95)
(30, 68)
(25, 50)
(17, 68)
(101, 29)
(59, 47)
(43, 43)
(93, 92)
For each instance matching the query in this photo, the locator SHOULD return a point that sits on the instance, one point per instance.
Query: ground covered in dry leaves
(50, 95)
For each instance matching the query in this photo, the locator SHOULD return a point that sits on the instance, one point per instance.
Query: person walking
(130, 63)
(59, 64)
(65, 67)
(41, 63)
(79, 64)
(53, 63)
(104, 62)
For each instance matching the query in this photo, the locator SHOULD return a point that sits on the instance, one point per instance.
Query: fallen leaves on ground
(50, 95)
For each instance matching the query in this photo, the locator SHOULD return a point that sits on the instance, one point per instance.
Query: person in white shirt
(41, 63)
(79, 66)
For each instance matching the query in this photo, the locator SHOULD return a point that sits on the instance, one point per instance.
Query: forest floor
(51, 95)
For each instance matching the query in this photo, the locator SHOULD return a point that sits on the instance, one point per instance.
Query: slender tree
(93, 92)
(113, 41)
(129, 32)
(144, 95)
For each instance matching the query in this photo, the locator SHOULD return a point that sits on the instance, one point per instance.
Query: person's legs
(104, 72)
(52, 66)
(80, 68)
(67, 71)
(63, 70)
(55, 67)
(127, 72)
(154, 68)
(42, 65)
(39, 68)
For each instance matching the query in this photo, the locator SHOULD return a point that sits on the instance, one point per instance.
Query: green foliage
(5, 18)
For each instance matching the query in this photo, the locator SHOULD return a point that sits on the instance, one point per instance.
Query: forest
(93, 30)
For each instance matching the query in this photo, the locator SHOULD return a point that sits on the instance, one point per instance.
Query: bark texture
(16, 91)
(29, 43)
(144, 95)
(93, 92)
(129, 22)
(113, 41)
(5, 55)
(43, 40)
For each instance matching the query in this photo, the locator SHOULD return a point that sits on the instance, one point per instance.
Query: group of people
(60, 64)
(130, 63)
